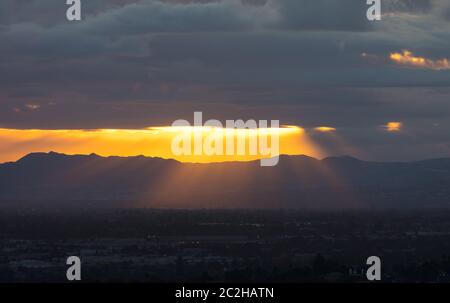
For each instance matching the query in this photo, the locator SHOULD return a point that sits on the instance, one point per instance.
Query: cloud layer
(132, 64)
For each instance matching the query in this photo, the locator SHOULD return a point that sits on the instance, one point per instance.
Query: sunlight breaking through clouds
(151, 142)
(407, 58)
(393, 126)
(325, 129)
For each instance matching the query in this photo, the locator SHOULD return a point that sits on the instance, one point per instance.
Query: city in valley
(224, 245)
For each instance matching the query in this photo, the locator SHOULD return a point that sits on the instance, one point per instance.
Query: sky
(373, 90)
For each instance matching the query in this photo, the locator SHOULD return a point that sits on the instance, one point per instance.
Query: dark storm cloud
(446, 14)
(347, 15)
(50, 12)
(160, 17)
(408, 6)
(141, 63)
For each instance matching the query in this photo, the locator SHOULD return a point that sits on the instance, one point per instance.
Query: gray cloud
(142, 63)
(408, 6)
(346, 15)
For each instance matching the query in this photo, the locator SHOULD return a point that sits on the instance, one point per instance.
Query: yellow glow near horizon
(394, 126)
(151, 142)
(408, 59)
(325, 129)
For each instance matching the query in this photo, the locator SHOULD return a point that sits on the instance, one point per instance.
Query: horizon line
(214, 162)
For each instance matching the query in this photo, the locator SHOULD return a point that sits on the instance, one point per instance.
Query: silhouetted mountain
(58, 180)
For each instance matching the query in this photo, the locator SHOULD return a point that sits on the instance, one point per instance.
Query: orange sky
(152, 142)
(407, 58)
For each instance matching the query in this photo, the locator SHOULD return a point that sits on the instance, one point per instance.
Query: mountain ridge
(329, 158)
(296, 182)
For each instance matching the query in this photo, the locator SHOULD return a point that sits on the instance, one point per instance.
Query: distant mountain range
(58, 181)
